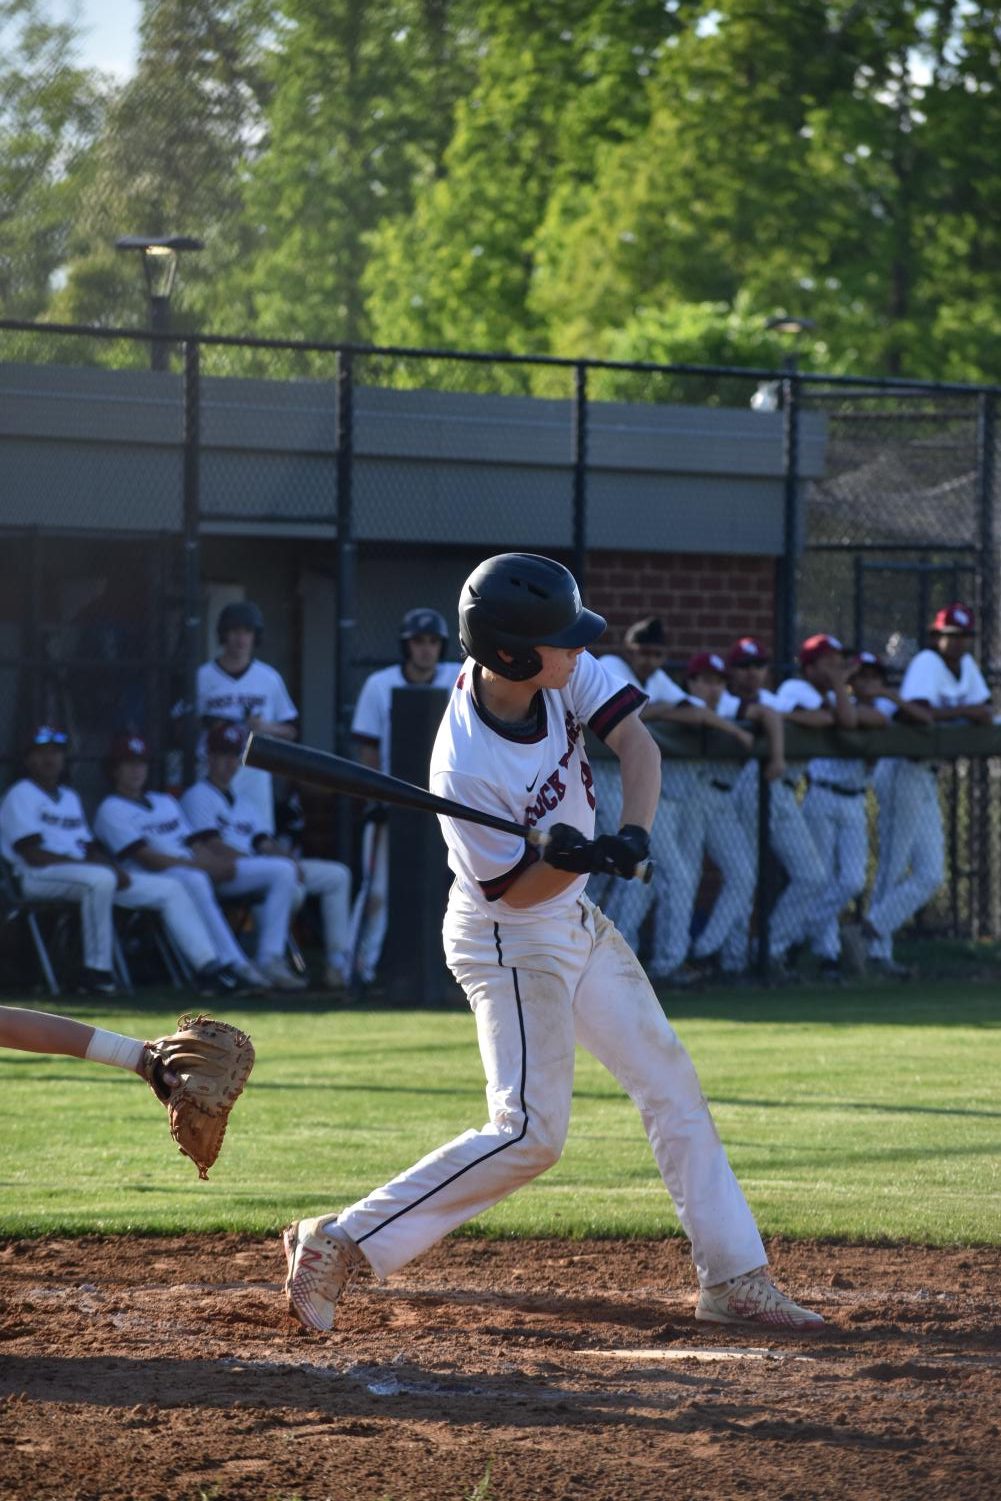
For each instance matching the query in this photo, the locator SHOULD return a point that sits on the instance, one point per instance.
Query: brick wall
(706, 600)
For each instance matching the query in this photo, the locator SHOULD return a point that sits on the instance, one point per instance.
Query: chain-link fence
(340, 486)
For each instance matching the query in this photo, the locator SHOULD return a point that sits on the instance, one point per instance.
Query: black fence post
(192, 556)
(580, 415)
(789, 565)
(987, 541)
(346, 580)
(765, 880)
(345, 546)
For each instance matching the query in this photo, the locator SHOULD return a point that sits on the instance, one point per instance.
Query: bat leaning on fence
(304, 763)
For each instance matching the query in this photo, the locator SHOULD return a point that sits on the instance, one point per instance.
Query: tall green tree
(827, 157)
(170, 160)
(363, 95)
(50, 111)
(554, 84)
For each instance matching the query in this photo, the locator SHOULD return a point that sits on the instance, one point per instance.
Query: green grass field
(865, 1113)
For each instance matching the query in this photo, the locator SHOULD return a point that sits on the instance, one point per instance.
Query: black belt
(721, 786)
(834, 787)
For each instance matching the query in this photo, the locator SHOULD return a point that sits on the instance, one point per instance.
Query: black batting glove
(568, 849)
(608, 855)
(638, 840)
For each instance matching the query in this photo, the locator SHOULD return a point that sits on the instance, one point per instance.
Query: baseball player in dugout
(237, 685)
(942, 683)
(543, 969)
(46, 840)
(214, 802)
(641, 664)
(147, 833)
(423, 644)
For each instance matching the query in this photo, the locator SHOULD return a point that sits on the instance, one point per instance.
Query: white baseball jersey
(372, 720)
(233, 816)
(535, 777)
(155, 819)
(257, 692)
(928, 677)
(659, 688)
(730, 706)
(58, 817)
(797, 693)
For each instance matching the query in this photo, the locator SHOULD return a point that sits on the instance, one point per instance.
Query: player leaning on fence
(542, 967)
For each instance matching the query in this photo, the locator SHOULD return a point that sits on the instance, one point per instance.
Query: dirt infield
(168, 1368)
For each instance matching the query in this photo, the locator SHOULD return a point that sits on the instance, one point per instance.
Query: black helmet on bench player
(423, 621)
(516, 602)
(240, 614)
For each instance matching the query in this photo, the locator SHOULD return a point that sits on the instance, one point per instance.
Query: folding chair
(65, 917)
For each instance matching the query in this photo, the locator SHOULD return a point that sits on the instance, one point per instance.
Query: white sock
(114, 1049)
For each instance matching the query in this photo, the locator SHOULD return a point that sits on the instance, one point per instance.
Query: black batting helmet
(239, 613)
(516, 602)
(423, 621)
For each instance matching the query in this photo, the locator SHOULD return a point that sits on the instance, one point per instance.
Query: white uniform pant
(629, 901)
(202, 891)
(177, 910)
(911, 864)
(92, 887)
(711, 824)
(273, 882)
(840, 828)
(793, 846)
(330, 883)
(369, 915)
(536, 991)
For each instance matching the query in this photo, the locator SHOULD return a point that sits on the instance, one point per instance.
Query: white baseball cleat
(753, 1299)
(278, 976)
(321, 1263)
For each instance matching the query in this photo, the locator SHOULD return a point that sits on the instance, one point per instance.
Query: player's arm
(870, 718)
(278, 729)
(641, 769)
(812, 719)
(909, 710)
(366, 752)
(773, 729)
(972, 713)
(683, 712)
(33, 852)
(212, 855)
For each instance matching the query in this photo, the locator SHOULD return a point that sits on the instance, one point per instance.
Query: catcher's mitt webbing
(210, 1062)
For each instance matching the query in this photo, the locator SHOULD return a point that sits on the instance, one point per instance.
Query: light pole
(159, 253)
(768, 396)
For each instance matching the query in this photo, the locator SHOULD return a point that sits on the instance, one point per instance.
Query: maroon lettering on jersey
(588, 782)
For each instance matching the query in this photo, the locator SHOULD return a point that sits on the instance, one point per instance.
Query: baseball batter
(542, 967)
(238, 685)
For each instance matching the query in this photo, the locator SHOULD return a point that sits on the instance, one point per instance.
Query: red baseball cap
(127, 747)
(955, 620)
(747, 652)
(227, 739)
(705, 661)
(815, 647)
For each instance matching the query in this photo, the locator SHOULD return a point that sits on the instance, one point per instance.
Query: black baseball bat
(304, 763)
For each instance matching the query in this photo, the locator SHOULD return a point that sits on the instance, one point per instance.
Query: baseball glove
(198, 1073)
